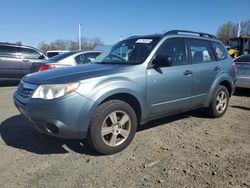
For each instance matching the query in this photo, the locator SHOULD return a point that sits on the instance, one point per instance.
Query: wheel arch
(128, 98)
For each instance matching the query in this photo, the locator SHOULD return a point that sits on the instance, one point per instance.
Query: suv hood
(73, 74)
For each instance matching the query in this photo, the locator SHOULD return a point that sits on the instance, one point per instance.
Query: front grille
(25, 91)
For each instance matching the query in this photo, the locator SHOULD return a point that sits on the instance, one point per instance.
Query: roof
(14, 44)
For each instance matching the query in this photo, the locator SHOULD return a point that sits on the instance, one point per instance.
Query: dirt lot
(187, 150)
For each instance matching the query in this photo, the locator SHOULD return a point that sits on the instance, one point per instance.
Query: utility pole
(80, 37)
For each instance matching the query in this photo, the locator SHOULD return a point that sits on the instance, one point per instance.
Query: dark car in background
(65, 59)
(243, 71)
(16, 60)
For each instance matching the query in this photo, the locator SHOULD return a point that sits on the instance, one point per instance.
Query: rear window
(59, 57)
(8, 51)
(219, 50)
(243, 58)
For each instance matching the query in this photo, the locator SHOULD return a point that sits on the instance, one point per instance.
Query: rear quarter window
(8, 51)
(219, 51)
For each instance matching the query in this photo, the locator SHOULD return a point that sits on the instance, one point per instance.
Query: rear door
(29, 56)
(169, 89)
(205, 69)
(10, 63)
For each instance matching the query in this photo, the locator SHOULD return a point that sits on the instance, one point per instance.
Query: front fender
(98, 90)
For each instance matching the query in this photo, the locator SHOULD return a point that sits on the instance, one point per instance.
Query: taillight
(234, 67)
(45, 67)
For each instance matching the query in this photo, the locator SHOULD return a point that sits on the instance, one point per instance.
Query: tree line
(224, 32)
(230, 29)
(62, 44)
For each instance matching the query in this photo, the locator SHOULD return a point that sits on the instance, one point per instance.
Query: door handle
(26, 60)
(187, 72)
(216, 68)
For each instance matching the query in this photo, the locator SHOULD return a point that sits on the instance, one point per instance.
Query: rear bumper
(64, 117)
(243, 82)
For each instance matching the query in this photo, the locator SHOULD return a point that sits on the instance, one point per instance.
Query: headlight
(54, 91)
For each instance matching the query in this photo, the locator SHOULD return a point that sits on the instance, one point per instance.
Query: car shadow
(18, 133)
(242, 92)
(199, 113)
(9, 83)
(240, 107)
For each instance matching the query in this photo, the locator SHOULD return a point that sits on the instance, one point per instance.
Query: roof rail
(9, 43)
(176, 32)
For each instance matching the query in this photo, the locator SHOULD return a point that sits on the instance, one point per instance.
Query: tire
(112, 127)
(219, 103)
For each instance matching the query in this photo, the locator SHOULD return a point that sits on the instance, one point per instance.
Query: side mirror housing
(41, 57)
(162, 61)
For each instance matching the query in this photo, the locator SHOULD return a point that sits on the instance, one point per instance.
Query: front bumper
(243, 82)
(65, 117)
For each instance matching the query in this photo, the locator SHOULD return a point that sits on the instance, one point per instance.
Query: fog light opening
(52, 128)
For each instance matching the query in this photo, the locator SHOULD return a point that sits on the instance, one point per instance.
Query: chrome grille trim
(25, 91)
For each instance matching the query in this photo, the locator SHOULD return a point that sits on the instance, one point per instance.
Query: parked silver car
(71, 58)
(243, 71)
(16, 60)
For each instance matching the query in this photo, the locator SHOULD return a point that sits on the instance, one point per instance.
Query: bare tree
(61, 44)
(230, 30)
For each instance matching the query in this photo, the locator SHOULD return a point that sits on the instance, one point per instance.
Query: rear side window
(175, 48)
(219, 50)
(8, 51)
(30, 53)
(199, 51)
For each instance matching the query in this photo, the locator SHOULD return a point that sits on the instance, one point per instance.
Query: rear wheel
(219, 102)
(113, 127)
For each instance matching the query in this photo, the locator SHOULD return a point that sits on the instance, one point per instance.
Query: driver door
(169, 89)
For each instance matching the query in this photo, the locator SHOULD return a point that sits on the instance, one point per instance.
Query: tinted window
(243, 58)
(91, 56)
(219, 50)
(86, 57)
(51, 54)
(175, 48)
(199, 50)
(59, 57)
(80, 59)
(30, 53)
(8, 51)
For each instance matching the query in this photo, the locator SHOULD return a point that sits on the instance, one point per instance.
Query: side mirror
(162, 61)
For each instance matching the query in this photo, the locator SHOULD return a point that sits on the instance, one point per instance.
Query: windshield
(59, 57)
(234, 43)
(129, 51)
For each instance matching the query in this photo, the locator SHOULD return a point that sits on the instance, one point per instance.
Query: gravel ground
(186, 150)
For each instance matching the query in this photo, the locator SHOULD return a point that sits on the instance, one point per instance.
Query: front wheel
(219, 102)
(112, 127)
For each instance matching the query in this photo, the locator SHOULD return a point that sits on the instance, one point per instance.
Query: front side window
(8, 51)
(199, 50)
(30, 53)
(174, 48)
(219, 50)
(129, 51)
